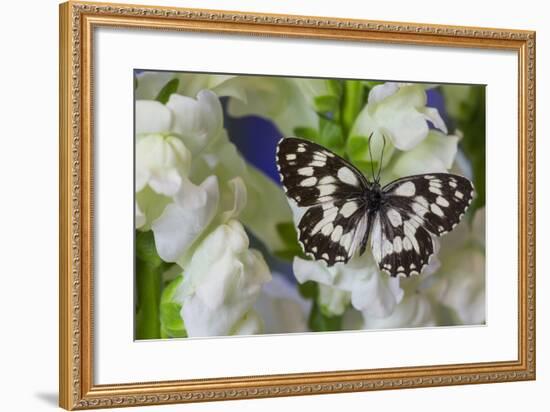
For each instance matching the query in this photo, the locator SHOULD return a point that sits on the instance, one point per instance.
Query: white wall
(28, 203)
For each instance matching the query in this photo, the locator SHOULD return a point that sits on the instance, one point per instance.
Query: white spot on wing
(346, 175)
(435, 190)
(406, 189)
(348, 209)
(436, 210)
(327, 229)
(326, 190)
(394, 217)
(441, 201)
(397, 245)
(310, 181)
(336, 233)
(305, 171)
(291, 156)
(459, 195)
(327, 179)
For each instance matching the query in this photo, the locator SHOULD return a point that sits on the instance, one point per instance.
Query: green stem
(351, 103)
(148, 279)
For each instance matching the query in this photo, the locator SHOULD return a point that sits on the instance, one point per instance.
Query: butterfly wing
(330, 193)
(417, 209)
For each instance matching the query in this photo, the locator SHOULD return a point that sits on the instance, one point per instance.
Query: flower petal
(197, 121)
(149, 84)
(152, 117)
(416, 310)
(182, 222)
(221, 283)
(435, 154)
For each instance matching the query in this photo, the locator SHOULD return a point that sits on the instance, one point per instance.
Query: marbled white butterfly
(342, 208)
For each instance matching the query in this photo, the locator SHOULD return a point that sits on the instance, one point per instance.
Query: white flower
(222, 159)
(281, 307)
(279, 99)
(140, 217)
(221, 284)
(162, 162)
(371, 291)
(196, 211)
(183, 221)
(396, 111)
(460, 283)
(416, 310)
(197, 121)
(436, 153)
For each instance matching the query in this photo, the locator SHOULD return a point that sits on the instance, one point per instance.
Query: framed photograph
(258, 205)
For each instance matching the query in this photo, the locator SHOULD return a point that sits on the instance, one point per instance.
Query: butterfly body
(342, 209)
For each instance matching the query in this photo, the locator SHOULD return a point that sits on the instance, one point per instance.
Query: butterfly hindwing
(339, 206)
(327, 232)
(401, 250)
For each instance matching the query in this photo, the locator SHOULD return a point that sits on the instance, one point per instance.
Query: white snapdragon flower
(221, 283)
(166, 137)
(460, 283)
(221, 158)
(281, 306)
(416, 310)
(398, 112)
(196, 210)
(359, 281)
(162, 160)
(279, 99)
(197, 121)
(435, 154)
(287, 102)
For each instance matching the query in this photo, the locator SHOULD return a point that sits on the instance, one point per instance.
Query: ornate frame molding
(77, 21)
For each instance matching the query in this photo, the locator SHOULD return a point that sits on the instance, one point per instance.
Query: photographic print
(269, 204)
(211, 205)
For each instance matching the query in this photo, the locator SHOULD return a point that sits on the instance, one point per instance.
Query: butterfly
(342, 208)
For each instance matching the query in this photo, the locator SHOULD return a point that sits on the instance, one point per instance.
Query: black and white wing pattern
(341, 207)
(331, 191)
(414, 211)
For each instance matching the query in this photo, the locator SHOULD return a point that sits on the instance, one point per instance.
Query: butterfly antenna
(370, 155)
(381, 158)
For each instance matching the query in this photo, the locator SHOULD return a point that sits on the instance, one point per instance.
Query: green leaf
(330, 134)
(288, 234)
(309, 289)
(352, 103)
(471, 121)
(357, 147)
(335, 86)
(371, 83)
(172, 325)
(167, 90)
(319, 322)
(146, 249)
(446, 316)
(148, 285)
(327, 104)
(307, 133)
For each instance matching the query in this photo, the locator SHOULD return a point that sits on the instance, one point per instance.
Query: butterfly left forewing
(331, 193)
(312, 175)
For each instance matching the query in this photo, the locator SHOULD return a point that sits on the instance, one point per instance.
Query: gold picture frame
(76, 385)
